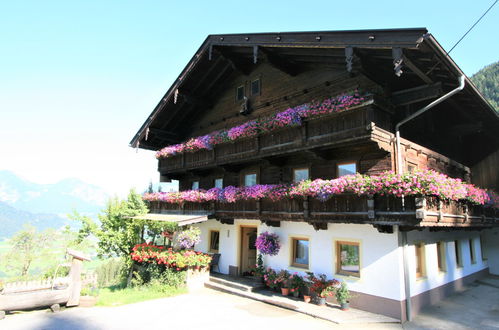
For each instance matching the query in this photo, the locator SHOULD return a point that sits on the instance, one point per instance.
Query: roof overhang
(181, 220)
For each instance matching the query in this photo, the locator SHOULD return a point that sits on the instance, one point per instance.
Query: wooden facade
(399, 70)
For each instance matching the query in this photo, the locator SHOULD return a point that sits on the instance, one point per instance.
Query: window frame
(215, 182)
(482, 251)
(420, 259)
(441, 256)
(259, 87)
(195, 182)
(243, 87)
(338, 269)
(298, 169)
(346, 163)
(249, 172)
(210, 247)
(293, 263)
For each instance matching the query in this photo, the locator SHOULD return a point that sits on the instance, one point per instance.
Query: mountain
(487, 81)
(59, 198)
(12, 220)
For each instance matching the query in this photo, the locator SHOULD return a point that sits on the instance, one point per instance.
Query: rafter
(279, 62)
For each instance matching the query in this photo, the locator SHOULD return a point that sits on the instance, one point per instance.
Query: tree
(487, 81)
(27, 246)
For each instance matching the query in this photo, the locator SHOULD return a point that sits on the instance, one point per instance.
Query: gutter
(400, 170)
(416, 114)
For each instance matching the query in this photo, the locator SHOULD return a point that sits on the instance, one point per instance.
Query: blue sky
(78, 78)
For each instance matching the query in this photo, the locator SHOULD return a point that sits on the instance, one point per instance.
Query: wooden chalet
(236, 78)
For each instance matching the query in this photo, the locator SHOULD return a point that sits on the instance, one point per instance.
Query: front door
(248, 249)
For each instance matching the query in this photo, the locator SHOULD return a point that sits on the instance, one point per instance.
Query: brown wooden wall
(485, 174)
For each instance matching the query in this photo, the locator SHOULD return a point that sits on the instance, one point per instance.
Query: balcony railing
(325, 131)
(346, 208)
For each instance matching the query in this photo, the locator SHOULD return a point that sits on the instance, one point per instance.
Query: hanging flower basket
(268, 243)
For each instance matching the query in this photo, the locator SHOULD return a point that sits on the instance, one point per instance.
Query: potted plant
(322, 288)
(342, 296)
(307, 285)
(296, 282)
(270, 279)
(259, 270)
(283, 280)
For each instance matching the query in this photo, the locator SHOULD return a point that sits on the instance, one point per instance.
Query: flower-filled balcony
(324, 123)
(424, 198)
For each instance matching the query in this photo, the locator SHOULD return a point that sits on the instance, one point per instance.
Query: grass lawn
(117, 296)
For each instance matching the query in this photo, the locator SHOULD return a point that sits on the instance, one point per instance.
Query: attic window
(240, 93)
(255, 87)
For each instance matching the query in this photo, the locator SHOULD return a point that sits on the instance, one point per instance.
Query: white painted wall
(491, 249)
(433, 277)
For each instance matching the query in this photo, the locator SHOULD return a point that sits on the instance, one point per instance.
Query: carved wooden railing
(324, 131)
(346, 208)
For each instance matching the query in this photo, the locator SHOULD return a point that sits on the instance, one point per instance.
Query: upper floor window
(255, 87)
(348, 258)
(300, 174)
(347, 168)
(249, 179)
(219, 183)
(195, 185)
(240, 93)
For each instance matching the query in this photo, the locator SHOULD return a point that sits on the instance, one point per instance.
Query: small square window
(441, 263)
(219, 183)
(214, 240)
(457, 250)
(255, 87)
(249, 179)
(300, 174)
(240, 93)
(195, 185)
(420, 260)
(472, 252)
(300, 252)
(348, 258)
(347, 169)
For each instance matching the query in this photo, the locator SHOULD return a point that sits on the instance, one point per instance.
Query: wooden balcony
(327, 131)
(380, 211)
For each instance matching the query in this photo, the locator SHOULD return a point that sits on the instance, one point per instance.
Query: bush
(159, 275)
(111, 272)
(62, 271)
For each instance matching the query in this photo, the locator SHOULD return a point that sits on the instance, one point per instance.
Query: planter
(285, 291)
(321, 301)
(306, 298)
(296, 293)
(344, 306)
(87, 301)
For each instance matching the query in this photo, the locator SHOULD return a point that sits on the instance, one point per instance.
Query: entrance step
(219, 282)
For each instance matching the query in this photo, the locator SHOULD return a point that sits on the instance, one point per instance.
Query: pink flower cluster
(422, 183)
(289, 117)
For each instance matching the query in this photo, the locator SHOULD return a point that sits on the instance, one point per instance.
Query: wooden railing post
(420, 207)
(370, 207)
(306, 211)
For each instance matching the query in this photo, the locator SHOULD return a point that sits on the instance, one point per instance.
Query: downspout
(407, 284)
(416, 114)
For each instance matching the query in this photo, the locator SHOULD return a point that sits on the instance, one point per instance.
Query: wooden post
(75, 277)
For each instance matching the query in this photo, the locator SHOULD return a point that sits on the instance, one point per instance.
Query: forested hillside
(487, 81)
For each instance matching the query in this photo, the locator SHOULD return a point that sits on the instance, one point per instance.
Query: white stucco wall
(433, 277)
(491, 249)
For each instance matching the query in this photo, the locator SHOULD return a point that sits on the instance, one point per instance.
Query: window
(249, 179)
(472, 252)
(411, 167)
(300, 174)
(348, 258)
(420, 260)
(347, 168)
(255, 87)
(300, 252)
(457, 249)
(240, 93)
(482, 249)
(214, 240)
(441, 257)
(195, 185)
(219, 183)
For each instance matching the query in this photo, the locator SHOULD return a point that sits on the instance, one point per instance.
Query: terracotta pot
(285, 291)
(306, 298)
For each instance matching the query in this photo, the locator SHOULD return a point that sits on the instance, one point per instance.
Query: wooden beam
(408, 62)
(164, 135)
(236, 62)
(397, 61)
(416, 94)
(279, 62)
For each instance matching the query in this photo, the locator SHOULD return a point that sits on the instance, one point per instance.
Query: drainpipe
(417, 113)
(400, 170)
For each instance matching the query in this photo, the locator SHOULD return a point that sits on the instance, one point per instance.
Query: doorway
(248, 249)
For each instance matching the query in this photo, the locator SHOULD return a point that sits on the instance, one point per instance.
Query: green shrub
(111, 272)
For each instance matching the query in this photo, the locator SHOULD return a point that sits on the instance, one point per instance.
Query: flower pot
(285, 291)
(296, 293)
(321, 301)
(306, 298)
(344, 306)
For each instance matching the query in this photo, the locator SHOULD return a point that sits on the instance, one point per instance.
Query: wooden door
(248, 249)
